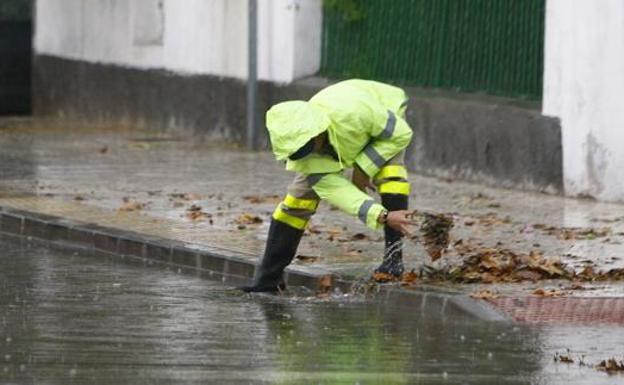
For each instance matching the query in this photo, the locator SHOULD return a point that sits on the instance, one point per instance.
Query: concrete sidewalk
(212, 196)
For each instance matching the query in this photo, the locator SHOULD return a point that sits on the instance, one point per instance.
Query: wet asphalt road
(73, 318)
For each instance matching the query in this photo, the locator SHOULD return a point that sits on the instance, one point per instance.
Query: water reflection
(74, 319)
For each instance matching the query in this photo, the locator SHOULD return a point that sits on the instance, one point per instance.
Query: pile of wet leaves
(434, 232)
(610, 365)
(492, 265)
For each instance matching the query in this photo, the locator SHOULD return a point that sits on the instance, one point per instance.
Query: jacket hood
(292, 124)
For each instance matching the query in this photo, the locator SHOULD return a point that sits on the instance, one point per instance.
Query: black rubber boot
(280, 250)
(393, 256)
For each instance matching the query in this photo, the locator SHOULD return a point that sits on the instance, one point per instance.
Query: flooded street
(73, 318)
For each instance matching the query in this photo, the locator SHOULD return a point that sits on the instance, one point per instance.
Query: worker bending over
(354, 123)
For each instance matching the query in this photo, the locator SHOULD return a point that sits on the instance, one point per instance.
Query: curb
(220, 262)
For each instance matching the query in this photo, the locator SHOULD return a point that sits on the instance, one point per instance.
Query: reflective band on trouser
(390, 124)
(290, 220)
(396, 171)
(394, 187)
(303, 204)
(374, 156)
(364, 208)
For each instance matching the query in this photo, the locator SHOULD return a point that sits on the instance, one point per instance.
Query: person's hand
(361, 180)
(399, 220)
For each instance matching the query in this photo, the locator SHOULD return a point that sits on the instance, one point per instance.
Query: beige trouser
(301, 201)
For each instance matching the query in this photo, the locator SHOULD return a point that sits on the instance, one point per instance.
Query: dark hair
(303, 151)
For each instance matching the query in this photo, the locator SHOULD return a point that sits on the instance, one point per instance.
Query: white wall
(198, 36)
(584, 87)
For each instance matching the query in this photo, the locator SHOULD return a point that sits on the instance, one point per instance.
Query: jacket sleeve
(390, 135)
(341, 193)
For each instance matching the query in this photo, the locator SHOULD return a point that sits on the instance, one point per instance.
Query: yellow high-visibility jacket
(365, 121)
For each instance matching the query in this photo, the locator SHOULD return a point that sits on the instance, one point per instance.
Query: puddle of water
(68, 318)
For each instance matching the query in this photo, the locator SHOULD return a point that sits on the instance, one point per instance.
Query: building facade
(475, 73)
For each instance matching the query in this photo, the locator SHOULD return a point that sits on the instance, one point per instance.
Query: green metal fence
(493, 46)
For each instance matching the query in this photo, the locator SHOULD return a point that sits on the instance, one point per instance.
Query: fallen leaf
(409, 278)
(325, 283)
(262, 199)
(484, 294)
(384, 277)
(565, 359)
(611, 365)
(359, 237)
(548, 292)
(313, 229)
(491, 219)
(131, 205)
(195, 213)
(247, 219)
(185, 196)
(307, 258)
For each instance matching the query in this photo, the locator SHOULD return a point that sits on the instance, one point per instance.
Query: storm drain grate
(562, 310)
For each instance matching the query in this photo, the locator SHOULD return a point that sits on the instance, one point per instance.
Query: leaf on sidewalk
(256, 199)
(185, 196)
(541, 292)
(325, 283)
(409, 279)
(307, 258)
(130, 205)
(195, 213)
(611, 365)
(359, 237)
(384, 277)
(247, 219)
(563, 358)
(484, 294)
